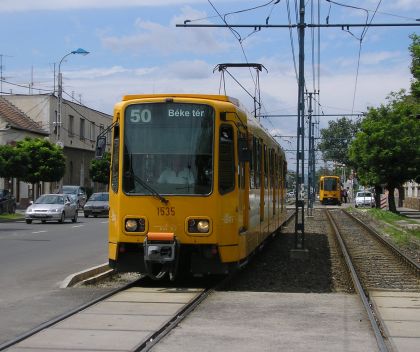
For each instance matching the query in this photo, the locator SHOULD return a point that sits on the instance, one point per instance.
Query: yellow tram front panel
(203, 211)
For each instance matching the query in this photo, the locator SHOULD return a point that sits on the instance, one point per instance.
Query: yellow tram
(196, 184)
(330, 190)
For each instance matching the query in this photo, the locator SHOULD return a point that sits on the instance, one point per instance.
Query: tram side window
(115, 159)
(241, 165)
(265, 167)
(257, 162)
(252, 164)
(226, 160)
(272, 167)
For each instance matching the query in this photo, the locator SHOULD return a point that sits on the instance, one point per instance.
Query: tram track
(139, 313)
(375, 265)
(140, 310)
(63, 316)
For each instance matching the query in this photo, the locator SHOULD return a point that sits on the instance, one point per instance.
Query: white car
(364, 199)
(49, 207)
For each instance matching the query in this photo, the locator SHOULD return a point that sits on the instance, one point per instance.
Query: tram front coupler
(161, 250)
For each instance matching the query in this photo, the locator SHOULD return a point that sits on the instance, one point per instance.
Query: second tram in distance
(330, 190)
(196, 184)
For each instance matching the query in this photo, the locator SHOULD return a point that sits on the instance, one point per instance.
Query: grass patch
(6, 216)
(395, 228)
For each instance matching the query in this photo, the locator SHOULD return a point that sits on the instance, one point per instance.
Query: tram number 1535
(166, 211)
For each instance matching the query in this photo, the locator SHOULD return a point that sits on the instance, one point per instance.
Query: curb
(90, 275)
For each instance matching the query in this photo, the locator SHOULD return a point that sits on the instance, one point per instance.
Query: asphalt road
(35, 259)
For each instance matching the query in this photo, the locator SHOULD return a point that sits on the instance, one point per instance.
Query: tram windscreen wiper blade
(155, 193)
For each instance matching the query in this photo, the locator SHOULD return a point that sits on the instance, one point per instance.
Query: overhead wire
(291, 41)
(240, 41)
(24, 86)
(360, 39)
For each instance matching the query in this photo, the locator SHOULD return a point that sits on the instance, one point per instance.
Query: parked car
(364, 199)
(52, 207)
(74, 198)
(98, 204)
(79, 192)
(7, 202)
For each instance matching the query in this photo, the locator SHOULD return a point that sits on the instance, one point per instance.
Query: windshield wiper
(154, 193)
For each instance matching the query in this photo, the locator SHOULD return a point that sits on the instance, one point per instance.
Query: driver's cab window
(226, 159)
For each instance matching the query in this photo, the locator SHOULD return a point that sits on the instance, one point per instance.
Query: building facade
(412, 195)
(76, 133)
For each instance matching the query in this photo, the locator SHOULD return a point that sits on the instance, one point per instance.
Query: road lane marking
(78, 226)
(40, 231)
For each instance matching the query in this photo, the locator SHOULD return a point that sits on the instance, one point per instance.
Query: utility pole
(58, 122)
(311, 157)
(300, 152)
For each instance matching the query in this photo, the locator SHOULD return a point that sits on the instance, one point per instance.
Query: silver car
(98, 204)
(52, 207)
(78, 192)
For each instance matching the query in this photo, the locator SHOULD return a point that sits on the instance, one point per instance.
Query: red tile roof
(18, 119)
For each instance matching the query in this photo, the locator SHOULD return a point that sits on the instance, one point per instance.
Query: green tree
(387, 149)
(415, 65)
(46, 161)
(99, 169)
(335, 139)
(14, 163)
(2, 163)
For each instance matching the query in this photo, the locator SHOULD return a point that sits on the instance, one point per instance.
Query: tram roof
(193, 96)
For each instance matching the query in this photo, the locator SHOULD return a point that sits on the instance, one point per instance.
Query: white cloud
(152, 37)
(59, 5)
(404, 5)
(196, 69)
(371, 58)
(98, 72)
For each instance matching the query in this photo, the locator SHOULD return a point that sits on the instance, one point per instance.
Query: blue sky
(135, 48)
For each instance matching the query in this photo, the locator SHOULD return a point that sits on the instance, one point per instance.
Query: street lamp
(60, 89)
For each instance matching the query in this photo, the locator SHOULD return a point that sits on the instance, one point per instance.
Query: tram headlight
(203, 226)
(135, 225)
(198, 225)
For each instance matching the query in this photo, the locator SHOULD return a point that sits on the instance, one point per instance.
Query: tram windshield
(168, 149)
(330, 184)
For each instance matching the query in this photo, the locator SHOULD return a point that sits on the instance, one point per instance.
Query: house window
(92, 131)
(71, 126)
(82, 129)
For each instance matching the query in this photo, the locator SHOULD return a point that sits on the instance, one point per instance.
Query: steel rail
(173, 323)
(358, 286)
(408, 261)
(63, 316)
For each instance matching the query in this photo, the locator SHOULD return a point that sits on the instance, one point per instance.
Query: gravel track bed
(273, 270)
(377, 267)
(410, 249)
